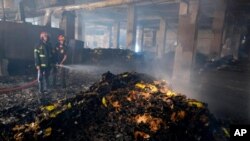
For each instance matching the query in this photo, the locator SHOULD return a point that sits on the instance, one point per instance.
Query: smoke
(208, 87)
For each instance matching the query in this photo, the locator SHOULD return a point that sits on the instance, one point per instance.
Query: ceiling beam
(102, 4)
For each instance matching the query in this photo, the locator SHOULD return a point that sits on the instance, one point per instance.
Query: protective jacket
(42, 55)
(59, 52)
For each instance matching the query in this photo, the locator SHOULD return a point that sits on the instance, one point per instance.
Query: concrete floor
(227, 93)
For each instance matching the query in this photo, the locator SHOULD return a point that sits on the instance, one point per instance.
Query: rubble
(123, 107)
(227, 63)
(107, 57)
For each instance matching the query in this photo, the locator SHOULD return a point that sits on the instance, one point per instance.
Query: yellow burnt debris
(151, 109)
(196, 103)
(47, 132)
(104, 102)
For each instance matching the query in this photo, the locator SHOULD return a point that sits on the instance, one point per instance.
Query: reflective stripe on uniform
(43, 65)
(41, 55)
(36, 50)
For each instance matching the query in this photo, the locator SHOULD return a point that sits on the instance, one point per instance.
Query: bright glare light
(137, 48)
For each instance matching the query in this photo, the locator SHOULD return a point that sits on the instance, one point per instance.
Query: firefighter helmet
(61, 38)
(43, 34)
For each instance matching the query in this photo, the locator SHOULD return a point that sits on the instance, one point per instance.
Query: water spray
(81, 68)
(66, 67)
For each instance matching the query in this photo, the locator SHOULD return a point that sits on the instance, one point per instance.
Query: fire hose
(25, 86)
(16, 88)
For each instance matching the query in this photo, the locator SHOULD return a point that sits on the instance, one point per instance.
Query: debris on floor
(123, 107)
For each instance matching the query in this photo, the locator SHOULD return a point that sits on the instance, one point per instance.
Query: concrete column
(68, 24)
(9, 4)
(21, 11)
(217, 28)
(110, 34)
(1, 74)
(47, 18)
(187, 38)
(80, 27)
(131, 27)
(3, 10)
(79, 23)
(162, 37)
(84, 32)
(236, 41)
(116, 38)
(154, 37)
(141, 38)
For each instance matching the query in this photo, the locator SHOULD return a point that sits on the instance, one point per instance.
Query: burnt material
(111, 57)
(128, 106)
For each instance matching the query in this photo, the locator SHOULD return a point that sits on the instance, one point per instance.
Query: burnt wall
(17, 40)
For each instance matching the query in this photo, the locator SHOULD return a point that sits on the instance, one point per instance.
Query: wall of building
(171, 40)
(203, 44)
(204, 41)
(97, 41)
(17, 40)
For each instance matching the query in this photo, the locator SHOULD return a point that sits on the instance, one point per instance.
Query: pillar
(68, 24)
(236, 41)
(154, 37)
(131, 27)
(162, 37)
(217, 28)
(141, 38)
(47, 18)
(80, 27)
(110, 36)
(2, 49)
(21, 11)
(187, 38)
(9, 4)
(79, 24)
(116, 37)
(3, 8)
(1, 74)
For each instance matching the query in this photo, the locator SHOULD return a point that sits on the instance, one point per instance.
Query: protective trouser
(43, 79)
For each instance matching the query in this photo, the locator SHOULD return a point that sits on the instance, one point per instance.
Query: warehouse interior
(171, 70)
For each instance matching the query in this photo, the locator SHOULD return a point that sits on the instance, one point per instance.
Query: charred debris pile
(123, 107)
(122, 58)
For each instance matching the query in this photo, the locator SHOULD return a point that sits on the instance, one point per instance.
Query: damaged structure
(135, 69)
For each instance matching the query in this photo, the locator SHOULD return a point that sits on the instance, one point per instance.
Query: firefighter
(42, 55)
(60, 56)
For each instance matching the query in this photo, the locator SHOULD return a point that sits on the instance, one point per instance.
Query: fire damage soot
(123, 107)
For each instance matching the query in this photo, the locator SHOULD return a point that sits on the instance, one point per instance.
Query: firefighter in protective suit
(42, 55)
(59, 58)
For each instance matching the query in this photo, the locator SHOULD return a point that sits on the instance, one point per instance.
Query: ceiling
(148, 14)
